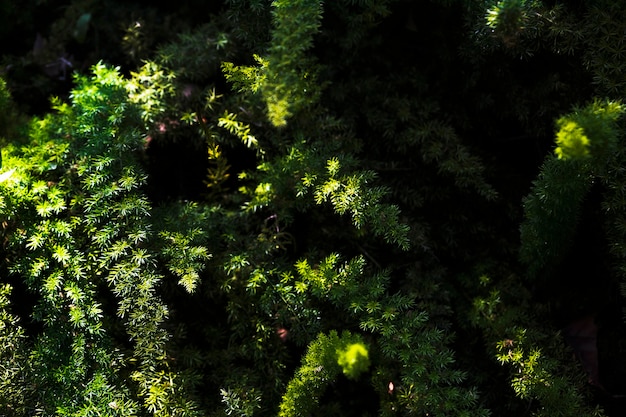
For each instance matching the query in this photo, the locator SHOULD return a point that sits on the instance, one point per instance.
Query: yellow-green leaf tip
(354, 360)
(572, 141)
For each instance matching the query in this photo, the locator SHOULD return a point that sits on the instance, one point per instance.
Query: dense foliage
(305, 208)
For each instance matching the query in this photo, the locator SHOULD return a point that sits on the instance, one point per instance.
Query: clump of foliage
(326, 357)
(72, 198)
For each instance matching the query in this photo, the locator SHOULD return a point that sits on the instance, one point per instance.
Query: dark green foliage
(587, 142)
(553, 210)
(13, 356)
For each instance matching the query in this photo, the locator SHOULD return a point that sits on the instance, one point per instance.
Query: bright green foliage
(534, 378)
(589, 130)
(74, 201)
(241, 402)
(246, 78)
(347, 189)
(506, 12)
(534, 358)
(291, 80)
(150, 88)
(353, 359)
(406, 339)
(351, 193)
(572, 140)
(183, 251)
(507, 18)
(326, 358)
(286, 76)
(229, 122)
(553, 206)
(54, 226)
